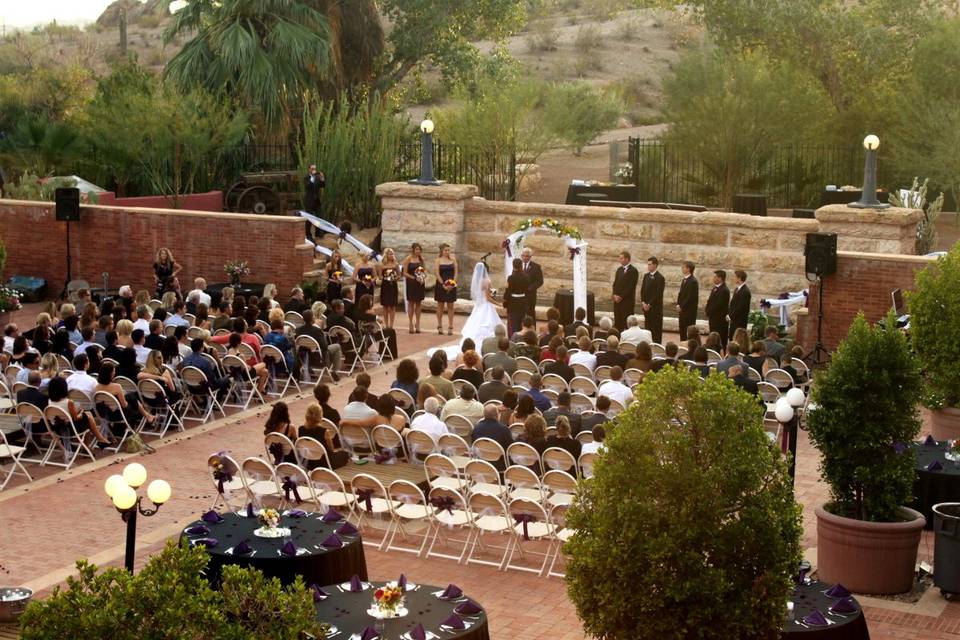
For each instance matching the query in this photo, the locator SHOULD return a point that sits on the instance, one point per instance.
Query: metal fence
(788, 175)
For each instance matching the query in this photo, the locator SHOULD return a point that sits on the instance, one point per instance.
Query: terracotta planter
(868, 557)
(945, 423)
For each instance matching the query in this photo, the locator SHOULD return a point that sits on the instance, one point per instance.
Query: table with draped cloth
(937, 479)
(843, 615)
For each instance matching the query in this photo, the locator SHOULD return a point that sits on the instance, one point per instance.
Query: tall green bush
(866, 410)
(577, 113)
(689, 528)
(355, 146)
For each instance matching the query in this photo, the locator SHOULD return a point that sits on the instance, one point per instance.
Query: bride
(484, 317)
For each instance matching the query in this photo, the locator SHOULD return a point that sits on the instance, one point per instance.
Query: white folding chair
(311, 453)
(526, 364)
(402, 399)
(602, 373)
(627, 348)
(351, 351)
(308, 350)
(386, 438)
(293, 318)
(201, 398)
(582, 371)
(449, 513)
(484, 478)
(226, 480)
(580, 402)
(243, 385)
(459, 384)
(153, 393)
(561, 533)
(329, 491)
(523, 454)
(14, 453)
(559, 459)
(458, 424)
(279, 371)
(554, 382)
(410, 509)
(372, 501)
(454, 447)
(583, 385)
(532, 525)
(295, 484)
(59, 422)
(560, 485)
(259, 481)
(523, 483)
(490, 517)
(278, 447)
(30, 417)
(521, 378)
(779, 378)
(491, 451)
(420, 444)
(442, 472)
(585, 462)
(107, 408)
(356, 440)
(713, 357)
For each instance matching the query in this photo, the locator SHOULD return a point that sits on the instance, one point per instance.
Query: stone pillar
(430, 215)
(892, 230)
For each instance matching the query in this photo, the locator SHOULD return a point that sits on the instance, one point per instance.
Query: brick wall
(863, 282)
(209, 201)
(123, 242)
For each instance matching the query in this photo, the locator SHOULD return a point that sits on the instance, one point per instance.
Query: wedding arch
(572, 239)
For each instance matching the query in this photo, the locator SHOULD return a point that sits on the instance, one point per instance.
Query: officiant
(535, 276)
(515, 297)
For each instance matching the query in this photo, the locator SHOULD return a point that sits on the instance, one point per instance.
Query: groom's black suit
(515, 299)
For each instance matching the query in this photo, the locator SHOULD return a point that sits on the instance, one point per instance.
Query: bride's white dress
(484, 318)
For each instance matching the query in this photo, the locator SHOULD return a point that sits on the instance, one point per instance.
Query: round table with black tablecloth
(811, 597)
(563, 302)
(245, 289)
(934, 487)
(318, 565)
(347, 611)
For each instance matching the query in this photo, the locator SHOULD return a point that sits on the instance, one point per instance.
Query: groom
(535, 276)
(515, 297)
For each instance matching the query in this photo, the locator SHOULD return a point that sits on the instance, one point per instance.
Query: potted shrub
(688, 527)
(866, 411)
(934, 309)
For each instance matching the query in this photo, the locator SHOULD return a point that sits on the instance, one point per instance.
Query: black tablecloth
(563, 302)
(318, 566)
(245, 289)
(846, 197)
(582, 194)
(753, 203)
(934, 487)
(347, 611)
(809, 598)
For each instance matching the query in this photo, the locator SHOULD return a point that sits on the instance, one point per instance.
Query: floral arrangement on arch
(552, 224)
(9, 300)
(236, 269)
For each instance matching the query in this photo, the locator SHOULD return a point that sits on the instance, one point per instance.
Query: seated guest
(534, 434)
(182, 341)
(584, 355)
(322, 394)
(196, 359)
(612, 356)
(87, 334)
(222, 319)
(331, 354)
(605, 329)
(371, 326)
(154, 339)
(61, 344)
(597, 446)
(772, 343)
(20, 348)
(80, 379)
(466, 405)
(540, 401)
(700, 362)
(10, 333)
(32, 394)
(313, 427)
(642, 359)
(634, 333)
(144, 315)
(733, 357)
(426, 390)
(740, 378)
(489, 344)
(589, 420)
(259, 369)
(692, 346)
(579, 320)
(670, 357)
(199, 290)
(467, 345)
(491, 427)
(177, 319)
(742, 338)
(494, 388)
(83, 420)
(337, 317)
(527, 324)
(357, 407)
(279, 422)
(277, 338)
(713, 342)
(549, 352)
(127, 366)
(529, 348)
(786, 363)
(296, 302)
(139, 348)
(560, 366)
(29, 362)
(154, 370)
(525, 409)
(442, 386)
(49, 368)
(385, 414)
(553, 331)
(441, 354)
(104, 326)
(508, 406)
(615, 389)
(240, 329)
(470, 371)
(563, 410)
(428, 422)
(502, 358)
(72, 325)
(757, 358)
(565, 441)
(407, 374)
(693, 333)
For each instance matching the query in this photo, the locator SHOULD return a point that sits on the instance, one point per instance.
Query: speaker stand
(819, 355)
(66, 283)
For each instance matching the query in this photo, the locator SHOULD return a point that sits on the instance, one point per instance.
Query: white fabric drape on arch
(329, 227)
(579, 247)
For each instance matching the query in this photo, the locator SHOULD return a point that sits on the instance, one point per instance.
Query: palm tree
(264, 53)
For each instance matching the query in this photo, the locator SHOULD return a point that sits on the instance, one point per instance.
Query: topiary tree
(866, 409)
(688, 528)
(934, 332)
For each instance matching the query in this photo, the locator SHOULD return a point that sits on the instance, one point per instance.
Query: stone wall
(123, 242)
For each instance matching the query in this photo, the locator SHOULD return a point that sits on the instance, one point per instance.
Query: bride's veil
(476, 283)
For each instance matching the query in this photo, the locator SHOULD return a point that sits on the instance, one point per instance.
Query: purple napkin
(369, 634)
(318, 593)
(296, 513)
(207, 542)
(198, 530)
(815, 619)
(838, 591)
(250, 513)
(934, 466)
(930, 440)
(242, 549)
(844, 606)
(454, 622)
(212, 517)
(332, 542)
(468, 608)
(355, 585)
(451, 592)
(402, 582)
(347, 529)
(289, 549)
(802, 576)
(332, 516)
(417, 633)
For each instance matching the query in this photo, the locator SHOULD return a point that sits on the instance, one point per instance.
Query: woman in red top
(233, 341)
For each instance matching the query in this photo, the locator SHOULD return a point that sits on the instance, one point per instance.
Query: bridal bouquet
(420, 274)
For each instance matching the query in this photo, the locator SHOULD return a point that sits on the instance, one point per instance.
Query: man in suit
(651, 299)
(501, 358)
(579, 320)
(718, 303)
(563, 409)
(739, 302)
(612, 356)
(687, 299)
(492, 428)
(312, 183)
(559, 366)
(740, 379)
(624, 291)
(535, 276)
(516, 296)
(494, 388)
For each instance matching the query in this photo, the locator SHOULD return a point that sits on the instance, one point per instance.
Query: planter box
(945, 423)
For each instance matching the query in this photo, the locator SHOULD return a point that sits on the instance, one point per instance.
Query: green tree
(689, 528)
(577, 113)
(41, 146)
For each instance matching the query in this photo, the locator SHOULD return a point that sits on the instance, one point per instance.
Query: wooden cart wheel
(232, 195)
(258, 199)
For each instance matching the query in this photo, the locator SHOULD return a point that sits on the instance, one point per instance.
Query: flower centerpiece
(953, 450)
(388, 602)
(270, 525)
(420, 274)
(624, 172)
(236, 269)
(9, 300)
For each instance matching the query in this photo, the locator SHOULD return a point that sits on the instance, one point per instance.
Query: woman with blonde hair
(313, 427)
(445, 270)
(168, 300)
(142, 297)
(154, 370)
(165, 268)
(389, 287)
(226, 295)
(49, 368)
(124, 332)
(52, 311)
(270, 293)
(742, 338)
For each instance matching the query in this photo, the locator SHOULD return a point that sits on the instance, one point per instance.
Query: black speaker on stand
(67, 210)
(820, 252)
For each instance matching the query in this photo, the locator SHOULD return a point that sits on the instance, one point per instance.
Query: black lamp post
(868, 199)
(426, 156)
(122, 490)
(787, 411)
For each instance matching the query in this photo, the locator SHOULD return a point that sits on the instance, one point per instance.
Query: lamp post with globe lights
(868, 199)
(787, 412)
(426, 156)
(122, 490)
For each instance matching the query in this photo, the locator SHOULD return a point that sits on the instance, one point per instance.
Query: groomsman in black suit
(535, 276)
(312, 183)
(687, 299)
(718, 303)
(739, 302)
(624, 291)
(651, 299)
(515, 297)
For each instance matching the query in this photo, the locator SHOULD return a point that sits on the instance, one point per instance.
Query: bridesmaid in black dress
(389, 287)
(413, 285)
(164, 269)
(364, 277)
(334, 282)
(445, 270)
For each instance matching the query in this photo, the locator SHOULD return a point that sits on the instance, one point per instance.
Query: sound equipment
(821, 254)
(68, 204)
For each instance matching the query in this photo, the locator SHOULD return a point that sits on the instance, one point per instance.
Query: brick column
(892, 230)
